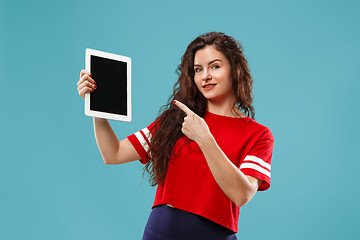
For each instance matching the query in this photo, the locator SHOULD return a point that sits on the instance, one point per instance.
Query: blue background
(305, 60)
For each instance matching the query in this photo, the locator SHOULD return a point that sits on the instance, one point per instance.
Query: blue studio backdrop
(305, 60)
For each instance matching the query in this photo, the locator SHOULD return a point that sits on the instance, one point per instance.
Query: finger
(183, 107)
(82, 79)
(85, 90)
(83, 71)
(86, 84)
(183, 128)
(86, 77)
(86, 87)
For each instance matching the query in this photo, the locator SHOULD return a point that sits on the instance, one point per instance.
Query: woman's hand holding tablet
(86, 83)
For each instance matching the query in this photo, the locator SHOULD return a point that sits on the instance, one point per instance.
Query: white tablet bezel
(92, 113)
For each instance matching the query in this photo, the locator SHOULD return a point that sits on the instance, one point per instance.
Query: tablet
(112, 97)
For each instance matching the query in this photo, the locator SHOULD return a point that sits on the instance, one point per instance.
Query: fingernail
(173, 101)
(95, 87)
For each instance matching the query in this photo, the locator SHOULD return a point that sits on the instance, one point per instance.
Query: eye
(197, 69)
(215, 66)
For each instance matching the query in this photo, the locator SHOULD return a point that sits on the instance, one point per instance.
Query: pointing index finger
(183, 107)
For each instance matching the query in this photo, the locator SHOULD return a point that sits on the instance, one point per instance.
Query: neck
(225, 108)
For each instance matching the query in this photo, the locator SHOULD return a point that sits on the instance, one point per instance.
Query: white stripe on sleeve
(142, 141)
(147, 134)
(255, 167)
(258, 160)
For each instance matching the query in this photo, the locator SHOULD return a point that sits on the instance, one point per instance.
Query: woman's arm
(237, 186)
(112, 151)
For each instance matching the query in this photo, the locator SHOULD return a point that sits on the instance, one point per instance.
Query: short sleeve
(257, 162)
(141, 142)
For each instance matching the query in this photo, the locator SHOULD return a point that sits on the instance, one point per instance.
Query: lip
(211, 86)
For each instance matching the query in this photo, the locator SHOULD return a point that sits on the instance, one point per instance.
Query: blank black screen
(110, 76)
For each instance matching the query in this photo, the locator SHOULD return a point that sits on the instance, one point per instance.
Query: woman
(207, 157)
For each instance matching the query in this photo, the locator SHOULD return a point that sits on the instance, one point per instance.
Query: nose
(206, 75)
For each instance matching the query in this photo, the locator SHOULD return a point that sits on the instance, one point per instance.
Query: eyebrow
(198, 65)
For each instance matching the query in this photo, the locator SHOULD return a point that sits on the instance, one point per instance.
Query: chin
(208, 95)
(216, 97)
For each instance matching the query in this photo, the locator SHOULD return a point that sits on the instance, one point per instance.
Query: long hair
(167, 129)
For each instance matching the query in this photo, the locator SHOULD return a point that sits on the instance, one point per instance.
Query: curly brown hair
(167, 128)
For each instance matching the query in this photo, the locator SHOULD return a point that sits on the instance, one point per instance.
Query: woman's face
(213, 75)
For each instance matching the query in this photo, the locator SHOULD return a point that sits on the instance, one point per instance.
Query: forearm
(238, 187)
(230, 179)
(106, 139)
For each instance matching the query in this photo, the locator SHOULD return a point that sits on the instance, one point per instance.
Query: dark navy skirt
(167, 223)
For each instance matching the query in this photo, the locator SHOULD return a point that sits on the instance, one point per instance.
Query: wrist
(206, 141)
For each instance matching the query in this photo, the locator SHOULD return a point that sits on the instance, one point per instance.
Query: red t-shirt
(189, 183)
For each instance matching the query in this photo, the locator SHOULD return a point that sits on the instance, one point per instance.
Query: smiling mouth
(209, 86)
